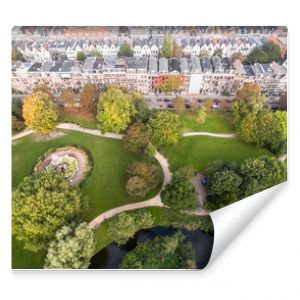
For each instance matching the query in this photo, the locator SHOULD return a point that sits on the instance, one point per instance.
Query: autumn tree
(247, 91)
(224, 105)
(258, 55)
(115, 110)
(218, 52)
(167, 49)
(177, 51)
(283, 102)
(16, 54)
(137, 138)
(201, 116)
(238, 56)
(42, 87)
(172, 84)
(89, 98)
(165, 128)
(39, 113)
(72, 247)
(179, 105)
(193, 104)
(125, 50)
(204, 53)
(68, 97)
(42, 203)
(208, 103)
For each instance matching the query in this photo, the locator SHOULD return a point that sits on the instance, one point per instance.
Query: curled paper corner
(230, 221)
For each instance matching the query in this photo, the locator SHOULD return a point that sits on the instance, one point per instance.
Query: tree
(42, 203)
(187, 171)
(248, 91)
(42, 87)
(273, 52)
(223, 182)
(72, 247)
(89, 98)
(172, 84)
(224, 105)
(16, 107)
(17, 124)
(95, 53)
(265, 128)
(17, 55)
(238, 56)
(165, 128)
(125, 50)
(261, 173)
(80, 56)
(179, 105)
(136, 138)
(180, 194)
(177, 51)
(123, 226)
(242, 108)
(164, 252)
(150, 173)
(115, 110)
(141, 107)
(258, 55)
(39, 113)
(201, 116)
(204, 53)
(68, 97)
(136, 187)
(193, 104)
(167, 48)
(283, 102)
(218, 52)
(208, 104)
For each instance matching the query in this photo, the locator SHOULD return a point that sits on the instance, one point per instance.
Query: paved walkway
(222, 135)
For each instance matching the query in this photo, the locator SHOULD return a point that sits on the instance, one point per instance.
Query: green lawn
(69, 117)
(105, 187)
(216, 121)
(200, 150)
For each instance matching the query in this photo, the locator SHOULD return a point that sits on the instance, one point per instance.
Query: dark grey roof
(35, 67)
(227, 64)
(56, 67)
(67, 66)
(152, 65)
(249, 71)
(137, 63)
(174, 65)
(46, 66)
(205, 64)
(217, 65)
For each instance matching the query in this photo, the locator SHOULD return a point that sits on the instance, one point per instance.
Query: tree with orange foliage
(247, 91)
(39, 112)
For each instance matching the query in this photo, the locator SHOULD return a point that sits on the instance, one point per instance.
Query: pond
(111, 256)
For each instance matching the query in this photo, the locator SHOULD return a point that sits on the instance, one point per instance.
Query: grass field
(83, 119)
(216, 121)
(200, 150)
(105, 187)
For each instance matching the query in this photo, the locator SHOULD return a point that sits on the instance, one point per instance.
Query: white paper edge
(231, 220)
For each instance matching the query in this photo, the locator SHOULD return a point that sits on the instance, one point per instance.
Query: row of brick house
(148, 47)
(206, 76)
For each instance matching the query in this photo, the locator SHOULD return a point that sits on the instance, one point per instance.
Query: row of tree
(257, 123)
(46, 214)
(228, 183)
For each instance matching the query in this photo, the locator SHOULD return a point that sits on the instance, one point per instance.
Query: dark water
(111, 256)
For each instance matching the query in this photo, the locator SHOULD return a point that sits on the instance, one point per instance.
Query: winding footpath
(156, 200)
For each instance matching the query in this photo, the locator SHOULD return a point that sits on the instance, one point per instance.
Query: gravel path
(222, 135)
